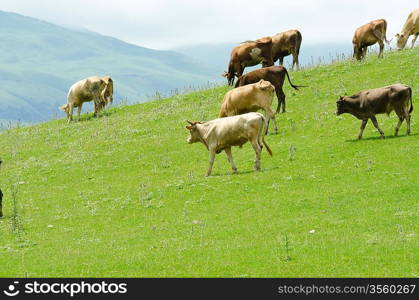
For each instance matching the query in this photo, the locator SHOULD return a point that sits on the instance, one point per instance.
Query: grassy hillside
(125, 195)
(39, 61)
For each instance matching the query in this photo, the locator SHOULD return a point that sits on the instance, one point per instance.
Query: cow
(286, 43)
(366, 104)
(249, 98)
(223, 133)
(410, 27)
(367, 35)
(98, 89)
(275, 75)
(249, 53)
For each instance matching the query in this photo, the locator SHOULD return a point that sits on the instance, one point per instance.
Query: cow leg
(258, 150)
(70, 112)
(271, 115)
(381, 43)
(374, 121)
(363, 124)
(281, 100)
(363, 52)
(230, 159)
(396, 130)
(281, 61)
(414, 39)
(211, 161)
(79, 111)
(295, 61)
(356, 53)
(407, 116)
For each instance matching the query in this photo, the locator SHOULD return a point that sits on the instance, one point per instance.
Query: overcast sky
(163, 24)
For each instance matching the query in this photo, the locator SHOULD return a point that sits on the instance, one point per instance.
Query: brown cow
(367, 35)
(249, 53)
(286, 43)
(275, 75)
(366, 104)
(249, 98)
(410, 27)
(221, 134)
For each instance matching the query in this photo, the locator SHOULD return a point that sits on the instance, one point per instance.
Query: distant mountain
(39, 61)
(217, 55)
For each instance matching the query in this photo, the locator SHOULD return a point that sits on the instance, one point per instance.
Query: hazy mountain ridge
(39, 61)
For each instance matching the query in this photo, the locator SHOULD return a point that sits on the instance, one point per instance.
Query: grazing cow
(98, 89)
(248, 54)
(221, 134)
(249, 98)
(366, 104)
(275, 75)
(286, 43)
(367, 35)
(410, 27)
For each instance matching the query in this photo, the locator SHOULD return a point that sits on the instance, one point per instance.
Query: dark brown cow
(366, 104)
(275, 75)
(367, 35)
(248, 54)
(286, 43)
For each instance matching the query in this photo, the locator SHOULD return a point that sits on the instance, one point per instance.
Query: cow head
(230, 77)
(195, 135)
(265, 85)
(108, 89)
(341, 106)
(401, 40)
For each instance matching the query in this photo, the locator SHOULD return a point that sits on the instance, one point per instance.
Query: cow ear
(189, 127)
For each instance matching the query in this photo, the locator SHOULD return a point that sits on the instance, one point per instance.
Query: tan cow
(221, 134)
(368, 35)
(97, 89)
(249, 53)
(286, 43)
(410, 27)
(249, 98)
(366, 104)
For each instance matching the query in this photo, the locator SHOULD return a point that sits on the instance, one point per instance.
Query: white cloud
(164, 24)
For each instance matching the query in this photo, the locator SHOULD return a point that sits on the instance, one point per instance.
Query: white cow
(98, 89)
(410, 27)
(223, 133)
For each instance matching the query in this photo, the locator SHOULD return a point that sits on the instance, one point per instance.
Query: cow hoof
(235, 171)
(382, 137)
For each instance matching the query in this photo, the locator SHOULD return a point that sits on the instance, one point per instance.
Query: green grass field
(125, 195)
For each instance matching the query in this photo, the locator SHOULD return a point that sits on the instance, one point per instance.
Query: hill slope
(125, 195)
(39, 61)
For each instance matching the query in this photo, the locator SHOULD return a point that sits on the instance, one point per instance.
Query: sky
(164, 24)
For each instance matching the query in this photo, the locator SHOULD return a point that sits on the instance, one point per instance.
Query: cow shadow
(388, 137)
(230, 173)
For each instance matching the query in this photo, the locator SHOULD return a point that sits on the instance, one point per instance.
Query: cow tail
(262, 134)
(295, 87)
(410, 98)
(300, 39)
